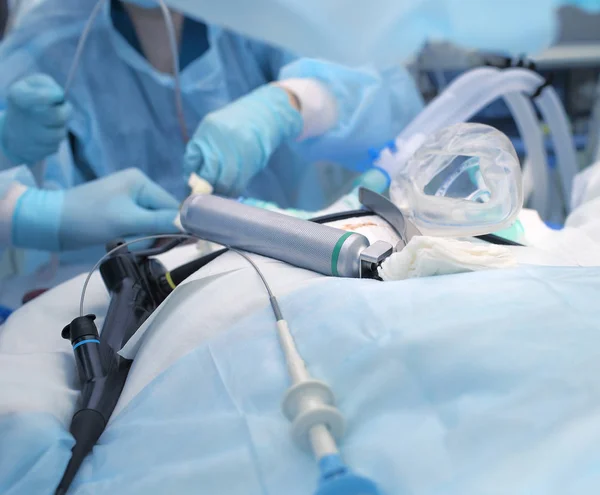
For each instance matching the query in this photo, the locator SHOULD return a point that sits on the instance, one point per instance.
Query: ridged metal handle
(298, 242)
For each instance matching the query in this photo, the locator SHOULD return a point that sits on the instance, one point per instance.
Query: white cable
(322, 442)
(308, 404)
(176, 69)
(527, 123)
(81, 44)
(174, 54)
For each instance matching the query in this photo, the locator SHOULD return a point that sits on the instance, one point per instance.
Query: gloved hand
(234, 143)
(35, 121)
(124, 204)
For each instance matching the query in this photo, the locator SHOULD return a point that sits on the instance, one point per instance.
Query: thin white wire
(81, 44)
(170, 236)
(255, 266)
(174, 54)
(176, 69)
(126, 244)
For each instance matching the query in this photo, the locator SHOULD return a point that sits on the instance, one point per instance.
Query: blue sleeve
(373, 107)
(8, 178)
(15, 261)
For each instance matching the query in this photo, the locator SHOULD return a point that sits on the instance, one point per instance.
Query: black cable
(344, 215)
(496, 239)
(182, 272)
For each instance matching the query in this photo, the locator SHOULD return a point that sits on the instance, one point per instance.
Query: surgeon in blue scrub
(259, 118)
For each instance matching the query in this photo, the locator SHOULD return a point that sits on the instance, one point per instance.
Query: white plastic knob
(311, 403)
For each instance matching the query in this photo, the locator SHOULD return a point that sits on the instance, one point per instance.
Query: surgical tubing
(556, 118)
(524, 80)
(440, 111)
(460, 102)
(529, 129)
(461, 89)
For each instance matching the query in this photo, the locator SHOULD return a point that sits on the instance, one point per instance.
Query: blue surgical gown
(124, 113)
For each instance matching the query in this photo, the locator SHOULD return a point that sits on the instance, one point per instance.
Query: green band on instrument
(336, 253)
(170, 281)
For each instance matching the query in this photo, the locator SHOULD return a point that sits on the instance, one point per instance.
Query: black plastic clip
(525, 63)
(522, 62)
(547, 82)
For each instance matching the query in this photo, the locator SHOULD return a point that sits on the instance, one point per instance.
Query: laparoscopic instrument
(137, 284)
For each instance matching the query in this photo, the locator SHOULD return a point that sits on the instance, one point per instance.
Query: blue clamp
(375, 152)
(337, 479)
(4, 313)
(85, 341)
(554, 226)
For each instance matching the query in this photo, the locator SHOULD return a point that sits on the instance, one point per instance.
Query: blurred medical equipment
(571, 66)
(593, 151)
(471, 92)
(474, 196)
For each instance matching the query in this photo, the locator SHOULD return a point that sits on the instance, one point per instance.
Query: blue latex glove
(35, 121)
(233, 144)
(124, 204)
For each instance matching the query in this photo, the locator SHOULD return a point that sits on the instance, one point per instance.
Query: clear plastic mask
(464, 180)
